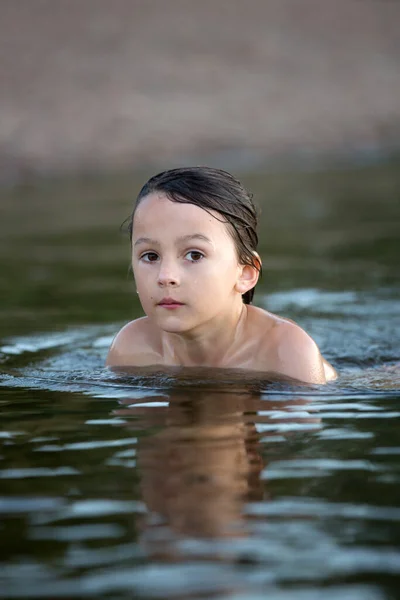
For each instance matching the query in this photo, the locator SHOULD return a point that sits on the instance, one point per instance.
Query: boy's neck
(209, 347)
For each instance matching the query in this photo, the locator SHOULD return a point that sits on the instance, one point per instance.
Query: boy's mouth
(170, 303)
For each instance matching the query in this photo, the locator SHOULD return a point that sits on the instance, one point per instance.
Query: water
(187, 483)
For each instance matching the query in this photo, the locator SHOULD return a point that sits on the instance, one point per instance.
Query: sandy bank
(92, 83)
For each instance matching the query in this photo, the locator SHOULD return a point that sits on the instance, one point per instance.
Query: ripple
(386, 451)
(16, 504)
(309, 507)
(37, 472)
(75, 533)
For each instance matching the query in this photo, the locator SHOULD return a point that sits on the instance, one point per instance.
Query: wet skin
(190, 285)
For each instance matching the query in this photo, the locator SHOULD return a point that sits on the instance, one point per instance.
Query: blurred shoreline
(95, 86)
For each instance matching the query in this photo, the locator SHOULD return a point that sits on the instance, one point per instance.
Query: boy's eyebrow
(184, 238)
(145, 240)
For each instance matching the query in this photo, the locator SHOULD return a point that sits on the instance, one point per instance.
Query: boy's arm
(130, 349)
(330, 372)
(118, 354)
(297, 355)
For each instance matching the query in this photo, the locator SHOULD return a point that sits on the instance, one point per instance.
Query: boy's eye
(149, 256)
(194, 255)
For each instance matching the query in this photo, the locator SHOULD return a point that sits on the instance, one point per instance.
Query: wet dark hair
(212, 190)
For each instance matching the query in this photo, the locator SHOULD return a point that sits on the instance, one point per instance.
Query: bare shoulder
(133, 345)
(289, 349)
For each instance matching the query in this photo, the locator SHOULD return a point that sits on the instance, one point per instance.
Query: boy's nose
(167, 276)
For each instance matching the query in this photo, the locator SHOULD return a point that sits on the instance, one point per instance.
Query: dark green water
(200, 485)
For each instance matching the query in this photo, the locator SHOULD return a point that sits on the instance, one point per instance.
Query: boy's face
(182, 253)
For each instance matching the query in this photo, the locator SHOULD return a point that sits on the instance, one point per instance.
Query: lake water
(191, 484)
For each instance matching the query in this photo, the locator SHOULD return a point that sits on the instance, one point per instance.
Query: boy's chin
(170, 328)
(174, 325)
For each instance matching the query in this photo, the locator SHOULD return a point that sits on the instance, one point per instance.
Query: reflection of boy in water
(196, 479)
(199, 470)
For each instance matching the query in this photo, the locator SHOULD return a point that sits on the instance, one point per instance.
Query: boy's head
(215, 191)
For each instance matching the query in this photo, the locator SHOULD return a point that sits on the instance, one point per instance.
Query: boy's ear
(248, 276)
(257, 261)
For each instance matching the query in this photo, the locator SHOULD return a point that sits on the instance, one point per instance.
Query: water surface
(187, 483)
